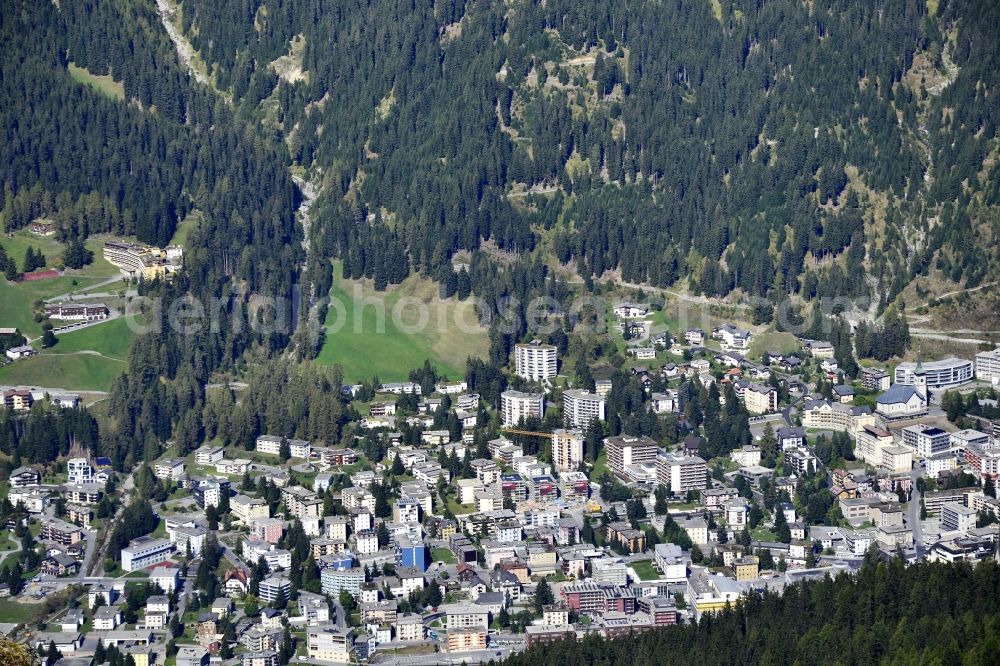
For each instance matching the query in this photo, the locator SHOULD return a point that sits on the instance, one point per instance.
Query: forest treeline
(887, 614)
(745, 150)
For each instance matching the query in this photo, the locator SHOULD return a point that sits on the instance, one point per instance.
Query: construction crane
(530, 433)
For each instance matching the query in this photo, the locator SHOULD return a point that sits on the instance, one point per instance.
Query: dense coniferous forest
(745, 149)
(762, 148)
(887, 614)
(137, 167)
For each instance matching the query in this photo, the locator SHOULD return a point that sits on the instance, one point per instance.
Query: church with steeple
(905, 401)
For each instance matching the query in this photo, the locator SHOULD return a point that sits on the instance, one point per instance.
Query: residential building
(897, 459)
(269, 444)
(274, 587)
(466, 640)
(329, 643)
(957, 518)
(334, 580)
(208, 454)
(79, 470)
(926, 440)
(838, 416)
(248, 509)
(77, 311)
(663, 403)
(145, 552)
(535, 361)
(517, 406)
(625, 450)
(875, 379)
(681, 473)
(746, 455)
(59, 531)
(25, 476)
(801, 460)
(567, 449)
(141, 262)
(758, 398)
(166, 576)
(988, 366)
(732, 338)
(962, 439)
(171, 469)
(465, 616)
(707, 593)
(581, 407)
(870, 442)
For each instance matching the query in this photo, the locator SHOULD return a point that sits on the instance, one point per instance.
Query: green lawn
(459, 509)
(103, 84)
(645, 570)
(772, 341)
(763, 534)
(81, 372)
(53, 250)
(111, 339)
(443, 555)
(12, 611)
(17, 299)
(600, 465)
(367, 340)
(184, 228)
(90, 358)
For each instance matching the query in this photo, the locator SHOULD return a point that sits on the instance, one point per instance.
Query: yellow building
(746, 568)
(710, 593)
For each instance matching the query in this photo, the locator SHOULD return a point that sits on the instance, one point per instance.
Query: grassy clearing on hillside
(111, 339)
(103, 84)
(16, 244)
(17, 300)
(76, 372)
(369, 332)
(775, 341)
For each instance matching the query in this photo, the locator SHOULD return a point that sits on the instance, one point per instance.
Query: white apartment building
(759, 399)
(535, 361)
(208, 454)
(968, 437)
(145, 552)
(269, 444)
(681, 473)
(582, 407)
(247, 509)
(926, 440)
(464, 616)
(988, 366)
(79, 470)
(516, 406)
(329, 643)
(870, 442)
(334, 580)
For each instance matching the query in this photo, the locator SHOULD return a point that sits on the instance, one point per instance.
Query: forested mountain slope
(765, 146)
(138, 165)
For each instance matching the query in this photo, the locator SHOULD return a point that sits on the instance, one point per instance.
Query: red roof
(39, 275)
